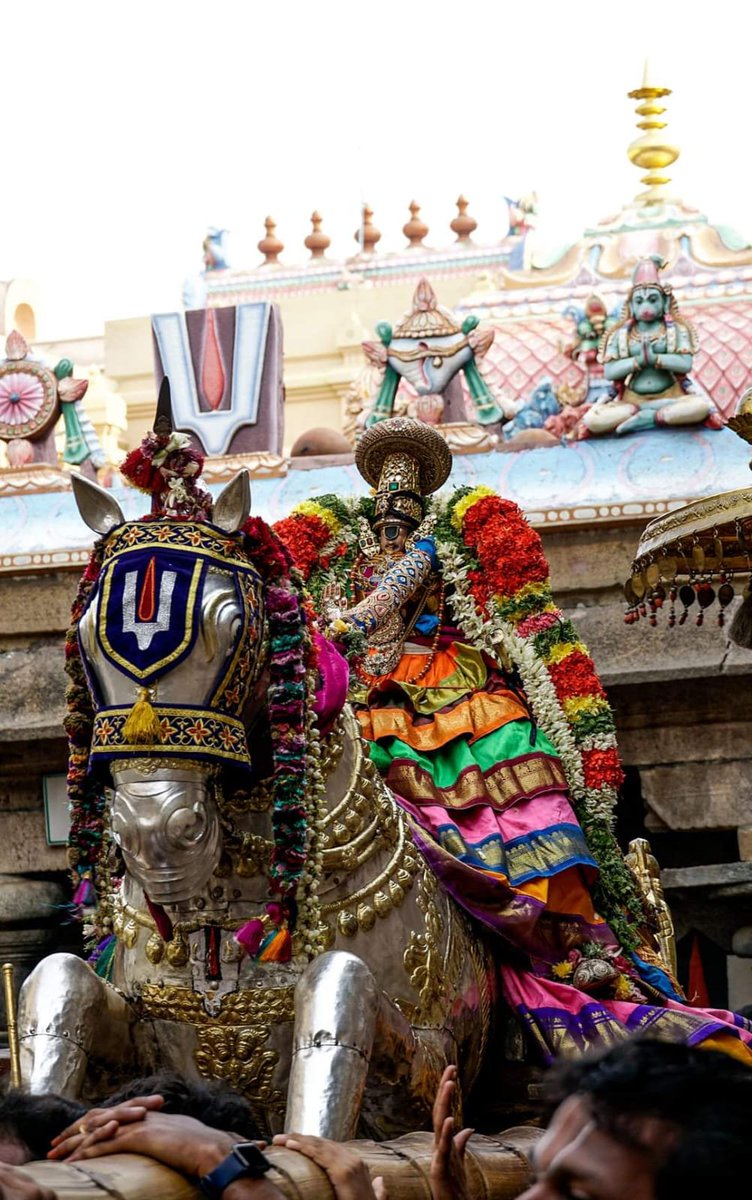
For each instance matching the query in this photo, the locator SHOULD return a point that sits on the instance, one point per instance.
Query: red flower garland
(509, 551)
(268, 553)
(304, 536)
(575, 675)
(602, 768)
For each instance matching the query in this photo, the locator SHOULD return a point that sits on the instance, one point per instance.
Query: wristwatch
(245, 1162)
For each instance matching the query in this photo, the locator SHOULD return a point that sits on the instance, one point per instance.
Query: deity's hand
(17, 1185)
(347, 1173)
(448, 1172)
(650, 354)
(333, 602)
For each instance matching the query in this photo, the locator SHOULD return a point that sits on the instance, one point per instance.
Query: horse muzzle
(168, 830)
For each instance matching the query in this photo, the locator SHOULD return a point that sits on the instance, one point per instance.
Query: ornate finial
(463, 225)
(652, 151)
(163, 418)
(415, 229)
(368, 235)
(270, 246)
(317, 242)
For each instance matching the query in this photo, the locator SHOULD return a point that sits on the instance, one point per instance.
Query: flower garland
(501, 599)
(86, 799)
(499, 593)
(331, 525)
(289, 701)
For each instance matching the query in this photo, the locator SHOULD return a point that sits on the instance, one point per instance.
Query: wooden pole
(10, 1014)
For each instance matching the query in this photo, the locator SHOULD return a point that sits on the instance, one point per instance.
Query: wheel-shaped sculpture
(28, 400)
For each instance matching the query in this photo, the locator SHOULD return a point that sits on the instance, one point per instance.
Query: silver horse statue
(354, 1030)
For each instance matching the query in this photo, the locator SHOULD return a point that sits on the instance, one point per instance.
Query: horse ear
(233, 504)
(100, 510)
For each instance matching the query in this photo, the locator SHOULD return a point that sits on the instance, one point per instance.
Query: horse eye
(186, 825)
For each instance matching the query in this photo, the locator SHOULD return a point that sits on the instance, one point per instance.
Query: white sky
(130, 127)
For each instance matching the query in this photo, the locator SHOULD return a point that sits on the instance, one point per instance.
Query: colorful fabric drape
(488, 805)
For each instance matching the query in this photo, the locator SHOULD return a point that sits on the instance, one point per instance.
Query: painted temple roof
(591, 482)
(599, 480)
(708, 265)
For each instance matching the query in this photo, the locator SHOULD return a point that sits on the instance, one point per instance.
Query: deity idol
(647, 357)
(467, 675)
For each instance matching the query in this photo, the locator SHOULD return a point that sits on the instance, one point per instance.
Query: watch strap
(235, 1166)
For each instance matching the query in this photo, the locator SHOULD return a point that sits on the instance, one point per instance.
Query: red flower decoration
(508, 550)
(602, 768)
(268, 553)
(304, 536)
(575, 675)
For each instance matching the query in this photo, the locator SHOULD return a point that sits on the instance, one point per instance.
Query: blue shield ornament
(149, 611)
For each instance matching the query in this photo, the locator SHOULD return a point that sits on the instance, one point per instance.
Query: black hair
(704, 1097)
(33, 1121)
(212, 1101)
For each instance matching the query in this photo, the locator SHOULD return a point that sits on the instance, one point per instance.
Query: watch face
(255, 1161)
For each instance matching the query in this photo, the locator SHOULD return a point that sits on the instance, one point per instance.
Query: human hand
(179, 1142)
(88, 1128)
(448, 1172)
(347, 1173)
(17, 1185)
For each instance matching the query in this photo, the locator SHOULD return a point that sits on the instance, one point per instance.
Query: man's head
(29, 1123)
(646, 1121)
(211, 1101)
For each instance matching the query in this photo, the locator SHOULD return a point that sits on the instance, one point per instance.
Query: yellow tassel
(142, 727)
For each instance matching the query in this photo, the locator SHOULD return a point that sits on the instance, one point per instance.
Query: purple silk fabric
(561, 1018)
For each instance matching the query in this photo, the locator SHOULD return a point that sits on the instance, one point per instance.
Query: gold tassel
(142, 727)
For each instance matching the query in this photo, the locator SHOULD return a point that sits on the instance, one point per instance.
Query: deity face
(648, 304)
(392, 537)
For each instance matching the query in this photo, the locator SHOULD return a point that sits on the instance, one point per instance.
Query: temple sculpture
(428, 350)
(647, 358)
(33, 396)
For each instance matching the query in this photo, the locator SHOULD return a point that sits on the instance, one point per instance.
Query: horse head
(172, 641)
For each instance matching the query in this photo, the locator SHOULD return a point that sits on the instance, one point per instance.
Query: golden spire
(652, 151)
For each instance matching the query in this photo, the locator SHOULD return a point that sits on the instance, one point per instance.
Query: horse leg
(68, 1017)
(344, 1027)
(336, 1012)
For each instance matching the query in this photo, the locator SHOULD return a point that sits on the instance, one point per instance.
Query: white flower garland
(310, 933)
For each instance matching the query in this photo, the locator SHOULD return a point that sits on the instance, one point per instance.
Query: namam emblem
(143, 622)
(147, 618)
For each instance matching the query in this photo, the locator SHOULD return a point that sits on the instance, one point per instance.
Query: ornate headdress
(404, 461)
(647, 274)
